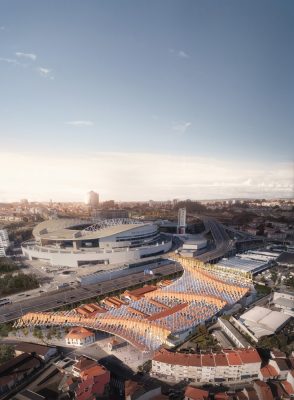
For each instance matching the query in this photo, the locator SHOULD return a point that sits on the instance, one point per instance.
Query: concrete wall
(71, 258)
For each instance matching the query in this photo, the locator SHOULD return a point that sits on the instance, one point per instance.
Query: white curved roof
(59, 229)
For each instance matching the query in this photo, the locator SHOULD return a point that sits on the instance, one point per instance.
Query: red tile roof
(208, 360)
(221, 396)
(233, 358)
(249, 356)
(263, 390)
(288, 387)
(196, 394)
(268, 371)
(79, 333)
(224, 358)
(220, 360)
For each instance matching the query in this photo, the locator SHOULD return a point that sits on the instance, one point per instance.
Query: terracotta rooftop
(221, 360)
(141, 291)
(268, 371)
(288, 387)
(170, 311)
(196, 394)
(224, 358)
(208, 360)
(221, 396)
(249, 356)
(79, 333)
(84, 363)
(94, 370)
(264, 390)
(251, 394)
(233, 358)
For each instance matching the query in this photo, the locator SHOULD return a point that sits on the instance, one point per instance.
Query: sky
(144, 100)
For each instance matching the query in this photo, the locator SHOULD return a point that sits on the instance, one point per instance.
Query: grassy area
(20, 282)
(203, 340)
(262, 290)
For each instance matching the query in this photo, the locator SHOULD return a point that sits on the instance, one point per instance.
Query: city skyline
(156, 100)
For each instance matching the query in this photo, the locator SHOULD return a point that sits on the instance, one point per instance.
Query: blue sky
(189, 82)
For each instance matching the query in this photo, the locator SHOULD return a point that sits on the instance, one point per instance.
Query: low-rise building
(14, 371)
(233, 334)
(136, 391)
(262, 321)
(285, 302)
(43, 352)
(228, 366)
(80, 336)
(281, 365)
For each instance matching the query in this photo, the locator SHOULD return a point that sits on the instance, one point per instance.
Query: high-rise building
(182, 221)
(4, 242)
(92, 199)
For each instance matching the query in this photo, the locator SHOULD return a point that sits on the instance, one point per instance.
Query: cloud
(80, 123)
(181, 127)
(45, 73)
(2, 28)
(9, 60)
(179, 53)
(183, 54)
(29, 56)
(139, 176)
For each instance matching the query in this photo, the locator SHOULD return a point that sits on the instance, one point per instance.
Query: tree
(5, 329)
(6, 353)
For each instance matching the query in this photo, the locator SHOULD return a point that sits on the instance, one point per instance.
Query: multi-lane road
(49, 301)
(222, 242)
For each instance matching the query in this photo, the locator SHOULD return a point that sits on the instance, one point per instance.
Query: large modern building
(92, 199)
(73, 242)
(4, 242)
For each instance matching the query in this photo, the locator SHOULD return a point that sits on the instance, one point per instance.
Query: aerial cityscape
(146, 200)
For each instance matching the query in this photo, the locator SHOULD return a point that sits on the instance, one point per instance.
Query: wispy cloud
(30, 56)
(183, 54)
(45, 73)
(9, 60)
(2, 28)
(181, 127)
(179, 53)
(80, 123)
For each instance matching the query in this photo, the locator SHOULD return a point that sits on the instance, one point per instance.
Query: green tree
(6, 352)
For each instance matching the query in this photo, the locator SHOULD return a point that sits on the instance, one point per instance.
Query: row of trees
(10, 283)
(7, 265)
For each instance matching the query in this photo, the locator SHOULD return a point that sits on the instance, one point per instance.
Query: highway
(222, 242)
(49, 301)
